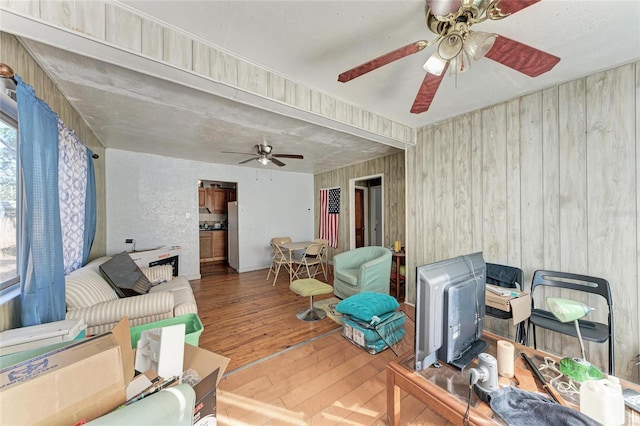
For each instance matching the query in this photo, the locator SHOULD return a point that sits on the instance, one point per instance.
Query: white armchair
(361, 269)
(90, 297)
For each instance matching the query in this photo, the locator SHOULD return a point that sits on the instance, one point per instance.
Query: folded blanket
(522, 408)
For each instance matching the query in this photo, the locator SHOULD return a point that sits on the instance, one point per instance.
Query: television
(450, 311)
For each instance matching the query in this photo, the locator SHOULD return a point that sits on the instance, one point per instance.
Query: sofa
(90, 297)
(361, 269)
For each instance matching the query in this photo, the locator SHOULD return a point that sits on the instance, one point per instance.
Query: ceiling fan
(263, 155)
(451, 21)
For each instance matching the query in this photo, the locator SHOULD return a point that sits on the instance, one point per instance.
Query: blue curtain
(41, 265)
(90, 208)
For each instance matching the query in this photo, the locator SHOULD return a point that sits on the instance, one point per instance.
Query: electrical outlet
(128, 241)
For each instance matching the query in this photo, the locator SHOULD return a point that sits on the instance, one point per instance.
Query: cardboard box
(210, 367)
(518, 303)
(84, 380)
(71, 384)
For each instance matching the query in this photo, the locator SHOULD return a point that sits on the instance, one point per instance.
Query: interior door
(359, 218)
(375, 212)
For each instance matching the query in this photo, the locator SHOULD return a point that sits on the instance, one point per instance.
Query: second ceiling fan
(451, 21)
(264, 155)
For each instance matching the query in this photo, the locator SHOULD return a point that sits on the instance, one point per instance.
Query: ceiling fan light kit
(478, 43)
(435, 64)
(451, 21)
(450, 46)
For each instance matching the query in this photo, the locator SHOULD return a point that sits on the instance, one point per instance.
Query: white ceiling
(312, 42)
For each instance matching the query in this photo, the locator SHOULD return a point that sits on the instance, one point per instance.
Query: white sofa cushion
(85, 286)
(158, 274)
(139, 309)
(184, 301)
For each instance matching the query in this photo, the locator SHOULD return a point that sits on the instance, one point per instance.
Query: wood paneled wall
(392, 168)
(546, 181)
(16, 56)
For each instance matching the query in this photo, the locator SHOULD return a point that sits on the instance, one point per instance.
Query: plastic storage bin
(374, 337)
(193, 328)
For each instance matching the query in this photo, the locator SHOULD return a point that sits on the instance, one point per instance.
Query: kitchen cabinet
(209, 199)
(219, 201)
(213, 245)
(206, 246)
(219, 244)
(216, 199)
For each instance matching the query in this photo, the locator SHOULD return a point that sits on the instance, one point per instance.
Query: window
(9, 193)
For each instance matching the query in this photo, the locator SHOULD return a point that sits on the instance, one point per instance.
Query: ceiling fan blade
(235, 152)
(512, 6)
(443, 7)
(296, 156)
(246, 161)
(277, 162)
(526, 59)
(382, 60)
(427, 91)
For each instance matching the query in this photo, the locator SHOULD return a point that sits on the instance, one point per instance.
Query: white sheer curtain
(73, 184)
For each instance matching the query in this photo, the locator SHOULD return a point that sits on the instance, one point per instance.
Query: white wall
(154, 200)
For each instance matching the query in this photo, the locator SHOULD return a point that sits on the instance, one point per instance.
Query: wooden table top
(449, 386)
(299, 245)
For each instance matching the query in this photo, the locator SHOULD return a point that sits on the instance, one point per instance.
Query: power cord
(475, 278)
(465, 419)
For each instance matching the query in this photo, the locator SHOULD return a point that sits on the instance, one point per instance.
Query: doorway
(217, 226)
(366, 217)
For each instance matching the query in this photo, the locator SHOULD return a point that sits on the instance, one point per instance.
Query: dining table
(289, 250)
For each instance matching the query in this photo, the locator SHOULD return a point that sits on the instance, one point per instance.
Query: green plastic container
(193, 328)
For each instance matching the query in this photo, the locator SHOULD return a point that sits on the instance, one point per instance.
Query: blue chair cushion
(366, 305)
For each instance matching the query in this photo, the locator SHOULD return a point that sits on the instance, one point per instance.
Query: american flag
(329, 215)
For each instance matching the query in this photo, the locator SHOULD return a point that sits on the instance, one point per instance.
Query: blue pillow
(364, 306)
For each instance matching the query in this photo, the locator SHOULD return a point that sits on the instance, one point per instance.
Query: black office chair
(591, 331)
(507, 277)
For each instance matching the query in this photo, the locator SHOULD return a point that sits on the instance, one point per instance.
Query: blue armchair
(362, 269)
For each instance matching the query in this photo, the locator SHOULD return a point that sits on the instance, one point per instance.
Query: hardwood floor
(284, 371)
(246, 318)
